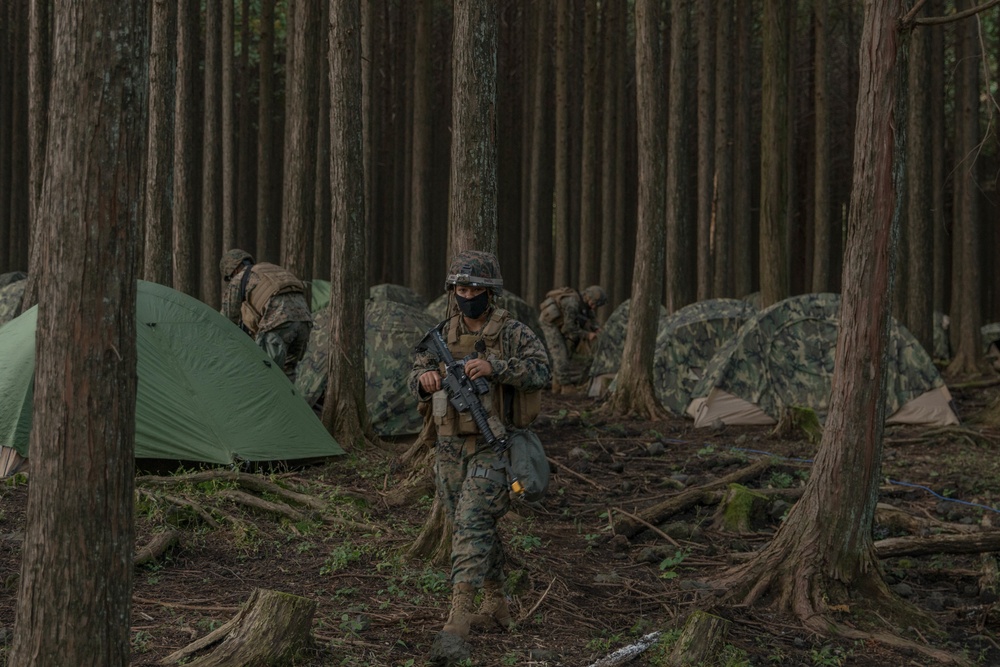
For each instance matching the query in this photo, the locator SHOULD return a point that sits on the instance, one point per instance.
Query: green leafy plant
(668, 564)
(340, 557)
(141, 642)
(780, 480)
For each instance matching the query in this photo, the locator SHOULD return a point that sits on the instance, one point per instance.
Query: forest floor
(582, 591)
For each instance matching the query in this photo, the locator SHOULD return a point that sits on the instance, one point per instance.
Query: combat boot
(462, 610)
(493, 608)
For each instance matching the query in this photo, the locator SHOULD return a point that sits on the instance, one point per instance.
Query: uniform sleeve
(231, 300)
(422, 362)
(526, 365)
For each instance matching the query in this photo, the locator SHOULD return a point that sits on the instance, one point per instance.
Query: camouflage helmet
(477, 269)
(596, 294)
(232, 260)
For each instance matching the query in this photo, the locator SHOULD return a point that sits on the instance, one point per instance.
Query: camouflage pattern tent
(319, 295)
(687, 340)
(783, 357)
(509, 301)
(608, 348)
(391, 331)
(10, 298)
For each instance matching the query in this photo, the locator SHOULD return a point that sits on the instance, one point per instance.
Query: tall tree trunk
(298, 200)
(939, 168)
(512, 75)
(228, 125)
(159, 146)
(823, 554)
(635, 394)
(185, 216)
(268, 241)
(706, 19)
(560, 226)
(625, 159)
(590, 237)
(613, 77)
(774, 278)
(821, 160)
(722, 188)
(540, 181)
(920, 237)
(322, 227)
(345, 413)
(211, 159)
(682, 286)
(39, 76)
(20, 184)
(421, 278)
(966, 286)
(246, 204)
(80, 533)
(6, 129)
(472, 221)
(743, 155)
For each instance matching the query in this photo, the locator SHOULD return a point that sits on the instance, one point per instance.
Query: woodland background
(237, 154)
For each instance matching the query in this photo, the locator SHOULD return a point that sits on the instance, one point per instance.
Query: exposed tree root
(157, 546)
(638, 400)
(434, 541)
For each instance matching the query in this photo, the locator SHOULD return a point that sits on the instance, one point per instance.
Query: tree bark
(681, 280)
(541, 179)
(966, 288)
(774, 277)
(472, 221)
(211, 159)
(421, 240)
(322, 227)
(722, 186)
(246, 204)
(298, 198)
(590, 232)
(185, 216)
(742, 159)
(227, 123)
(268, 241)
(561, 211)
(635, 394)
(823, 553)
(271, 629)
(706, 26)
(821, 161)
(613, 77)
(345, 413)
(80, 533)
(157, 259)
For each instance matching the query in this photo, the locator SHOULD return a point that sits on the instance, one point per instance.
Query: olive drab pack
(549, 311)
(528, 463)
(271, 281)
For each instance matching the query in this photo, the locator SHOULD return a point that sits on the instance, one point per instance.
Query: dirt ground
(580, 590)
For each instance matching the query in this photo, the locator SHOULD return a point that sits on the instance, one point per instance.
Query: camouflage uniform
(285, 322)
(471, 481)
(11, 294)
(566, 319)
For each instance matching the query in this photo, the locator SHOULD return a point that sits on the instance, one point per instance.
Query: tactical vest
(503, 403)
(271, 281)
(549, 311)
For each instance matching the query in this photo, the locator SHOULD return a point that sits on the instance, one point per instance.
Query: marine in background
(569, 323)
(269, 304)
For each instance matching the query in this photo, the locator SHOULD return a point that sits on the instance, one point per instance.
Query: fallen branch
(628, 653)
(258, 503)
(577, 475)
(893, 517)
(157, 547)
(247, 481)
(975, 543)
(691, 497)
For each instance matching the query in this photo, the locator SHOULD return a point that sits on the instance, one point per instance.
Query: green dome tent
(783, 357)
(319, 295)
(687, 340)
(609, 347)
(392, 330)
(205, 393)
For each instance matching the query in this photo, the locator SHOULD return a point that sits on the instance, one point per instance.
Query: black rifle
(463, 393)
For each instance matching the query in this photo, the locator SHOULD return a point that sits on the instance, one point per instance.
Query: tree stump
(271, 629)
(739, 510)
(701, 640)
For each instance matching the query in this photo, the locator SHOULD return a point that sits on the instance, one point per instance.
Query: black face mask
(474, 307)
